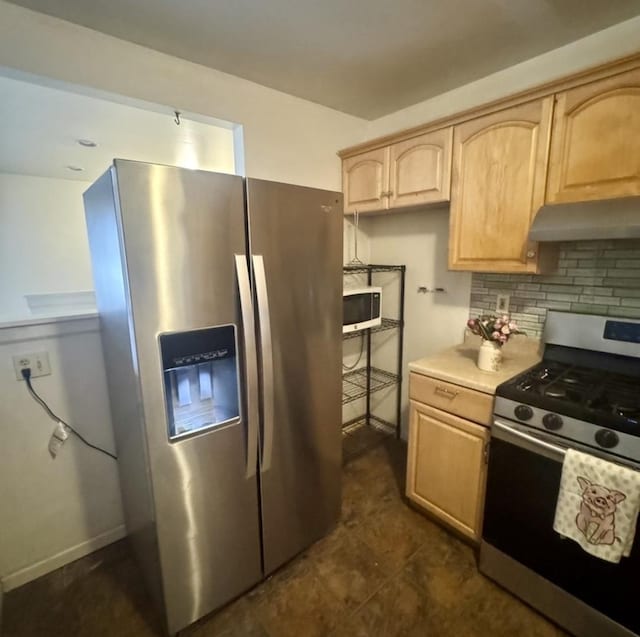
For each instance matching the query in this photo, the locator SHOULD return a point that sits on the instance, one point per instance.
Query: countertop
(458, 364)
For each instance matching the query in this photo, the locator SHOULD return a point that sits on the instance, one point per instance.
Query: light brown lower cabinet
(446, 467)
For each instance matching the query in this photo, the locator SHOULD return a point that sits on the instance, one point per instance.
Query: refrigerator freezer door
(296, 234)
(181, 229)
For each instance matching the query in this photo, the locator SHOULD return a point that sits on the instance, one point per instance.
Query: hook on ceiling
(176, 119)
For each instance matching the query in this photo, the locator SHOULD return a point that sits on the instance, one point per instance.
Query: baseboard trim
(33, 571)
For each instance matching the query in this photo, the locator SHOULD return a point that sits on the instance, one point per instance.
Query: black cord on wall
(350, 367)
(26, 374)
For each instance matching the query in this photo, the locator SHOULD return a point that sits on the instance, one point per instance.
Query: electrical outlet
(502, 304)
(38, 362)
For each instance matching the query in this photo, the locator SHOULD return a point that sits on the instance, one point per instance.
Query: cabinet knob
(531, 254)
(386, 193)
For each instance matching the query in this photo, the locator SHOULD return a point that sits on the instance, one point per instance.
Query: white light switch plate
(38, 362)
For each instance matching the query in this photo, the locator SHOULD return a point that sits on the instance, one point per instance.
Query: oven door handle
(504, 432)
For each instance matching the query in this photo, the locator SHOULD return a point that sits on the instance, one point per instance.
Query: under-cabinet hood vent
(606, 219)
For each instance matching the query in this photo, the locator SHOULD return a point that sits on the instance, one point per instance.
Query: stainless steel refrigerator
(220, 309)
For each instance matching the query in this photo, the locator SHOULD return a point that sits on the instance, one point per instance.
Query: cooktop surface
(604, 398)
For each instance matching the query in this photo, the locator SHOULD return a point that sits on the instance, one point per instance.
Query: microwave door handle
(266, 350)
(250, 362)
(533, 444)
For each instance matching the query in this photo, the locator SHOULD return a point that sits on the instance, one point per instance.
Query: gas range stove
(586, 390)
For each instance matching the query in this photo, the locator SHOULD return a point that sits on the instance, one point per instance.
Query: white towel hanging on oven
(598, 505)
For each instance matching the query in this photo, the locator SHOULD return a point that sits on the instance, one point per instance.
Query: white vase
(490, 356)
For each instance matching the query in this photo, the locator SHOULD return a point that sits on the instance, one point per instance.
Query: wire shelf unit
(360, 383)
(354, 383)
(365, 269)
(355, 424)
(358, 436)
(387, 324)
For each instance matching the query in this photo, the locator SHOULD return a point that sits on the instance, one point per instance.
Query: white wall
(55, 510)
(434, 321)
(40, 126)
(43, 241)
(286, 138)
(616, 41)
(355, 241)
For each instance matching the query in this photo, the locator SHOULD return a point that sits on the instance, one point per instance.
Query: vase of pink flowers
(495, 332)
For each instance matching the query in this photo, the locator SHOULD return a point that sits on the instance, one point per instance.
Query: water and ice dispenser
(200, 379)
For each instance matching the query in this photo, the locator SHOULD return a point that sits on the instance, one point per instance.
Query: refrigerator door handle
(266, 348)
(251, 362)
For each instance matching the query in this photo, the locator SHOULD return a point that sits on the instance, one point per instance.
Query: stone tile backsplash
(595, 277)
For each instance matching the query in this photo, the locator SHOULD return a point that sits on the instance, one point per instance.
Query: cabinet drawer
(461, 401)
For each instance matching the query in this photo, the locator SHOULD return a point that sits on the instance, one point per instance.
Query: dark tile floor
(385, 571)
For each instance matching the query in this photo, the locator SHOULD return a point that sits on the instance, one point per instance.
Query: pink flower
(494, 328)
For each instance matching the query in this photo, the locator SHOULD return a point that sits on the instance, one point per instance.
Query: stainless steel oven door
(520, 549)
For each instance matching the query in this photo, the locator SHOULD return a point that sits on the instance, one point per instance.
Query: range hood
(605, 219)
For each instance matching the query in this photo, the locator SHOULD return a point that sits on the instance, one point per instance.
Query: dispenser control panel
(201, 380)
(624, 331)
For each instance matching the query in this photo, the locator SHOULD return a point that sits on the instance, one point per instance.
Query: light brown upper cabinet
(498, 184)
(595, 143)
(408, 173)
(365, 181)
(420, 169)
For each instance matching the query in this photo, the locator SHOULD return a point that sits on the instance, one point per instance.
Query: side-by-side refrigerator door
(193, 321)
(296, 245)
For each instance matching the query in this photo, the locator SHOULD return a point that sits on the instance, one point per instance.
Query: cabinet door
(595, 144)
(365, 181)
(446, 468)
(420, 169)
(498, 184)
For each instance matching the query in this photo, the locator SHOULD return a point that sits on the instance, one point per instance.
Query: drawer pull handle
(447, 393)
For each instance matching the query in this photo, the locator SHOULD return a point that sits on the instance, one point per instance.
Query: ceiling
(364, 57)
(40, 128)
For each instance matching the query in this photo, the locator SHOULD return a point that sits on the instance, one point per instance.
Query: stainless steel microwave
(361, 309)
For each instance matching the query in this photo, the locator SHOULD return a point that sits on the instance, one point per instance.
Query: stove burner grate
(581, 392)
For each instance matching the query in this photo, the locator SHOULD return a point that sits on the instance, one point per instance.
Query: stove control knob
(607, 438)
(523, 412)
(552, 422)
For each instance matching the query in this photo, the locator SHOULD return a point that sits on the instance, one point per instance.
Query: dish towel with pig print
(598, 505)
